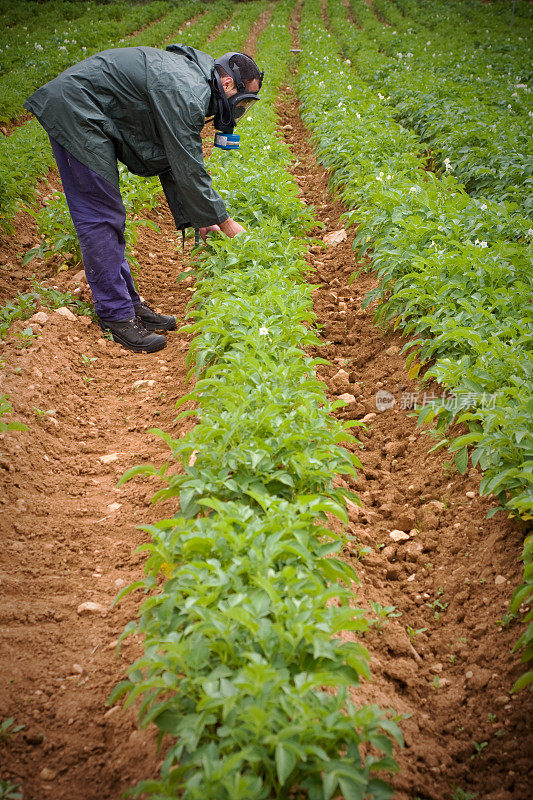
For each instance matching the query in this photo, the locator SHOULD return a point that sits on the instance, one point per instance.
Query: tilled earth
(426, 552)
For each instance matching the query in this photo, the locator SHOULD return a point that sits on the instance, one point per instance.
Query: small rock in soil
(335, 237)
(76, 669)
(47, 774)
(340, 380)
(38, 319)
(91, 608)
(66, 312)
(499, 580)
(398, 536)
(348, 398)
(108, 459)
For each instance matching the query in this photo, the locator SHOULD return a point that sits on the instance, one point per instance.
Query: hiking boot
(132, 335)
(153, 321)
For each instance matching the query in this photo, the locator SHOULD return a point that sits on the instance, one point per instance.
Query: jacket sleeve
(179, 117)
(173, 199)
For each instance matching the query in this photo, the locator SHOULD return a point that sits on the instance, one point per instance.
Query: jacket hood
(203, 60)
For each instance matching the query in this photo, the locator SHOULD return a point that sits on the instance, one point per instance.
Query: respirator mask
(230, 109)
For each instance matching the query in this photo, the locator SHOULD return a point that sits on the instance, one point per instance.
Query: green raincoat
(145, 107)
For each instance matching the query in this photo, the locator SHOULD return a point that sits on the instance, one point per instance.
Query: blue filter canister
(227, 141)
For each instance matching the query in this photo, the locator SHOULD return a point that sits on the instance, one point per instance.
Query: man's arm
(179, 122)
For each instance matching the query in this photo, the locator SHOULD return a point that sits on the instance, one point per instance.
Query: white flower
(529, 234)
(62, 47)
(483, 206)
(389, 177)
(263, 331)
(414, 190)
(358, 115)
(448, 165)
(38, 46)
(479, 243)
(349, 86)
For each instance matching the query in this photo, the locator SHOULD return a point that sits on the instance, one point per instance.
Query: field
(290, 555)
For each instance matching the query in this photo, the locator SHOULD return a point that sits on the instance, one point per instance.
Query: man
(145, 107)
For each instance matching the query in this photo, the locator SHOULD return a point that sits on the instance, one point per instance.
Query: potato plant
(243, 663)
(454, 271)
(429, 78)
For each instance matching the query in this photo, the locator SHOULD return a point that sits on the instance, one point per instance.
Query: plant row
(29, 59)
(243, 661)
(472, 14)
(489, 147)
(494, 54)
(488, 70)
(448, 274)
(26, 156)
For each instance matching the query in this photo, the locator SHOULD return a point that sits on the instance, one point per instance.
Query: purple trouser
(99, 218)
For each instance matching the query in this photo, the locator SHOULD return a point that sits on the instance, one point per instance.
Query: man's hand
(231, 228)
(209, 229)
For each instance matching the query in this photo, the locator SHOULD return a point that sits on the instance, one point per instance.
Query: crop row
(472, 16)
(29, 58)
(448, 274)
(26, 156)
(489, 147)
(492, 54)
(242, 639)
(495, 70)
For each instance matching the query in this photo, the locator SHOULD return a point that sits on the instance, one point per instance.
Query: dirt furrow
(69, 535)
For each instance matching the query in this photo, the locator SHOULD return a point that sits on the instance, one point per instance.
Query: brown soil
(69, 536)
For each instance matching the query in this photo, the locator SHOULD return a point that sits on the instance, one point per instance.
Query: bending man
(146, 108)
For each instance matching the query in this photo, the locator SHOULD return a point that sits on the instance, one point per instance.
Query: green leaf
(461, 460)
(525, 680)
(285, 762)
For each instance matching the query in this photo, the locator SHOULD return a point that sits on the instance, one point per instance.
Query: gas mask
(230, 109)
